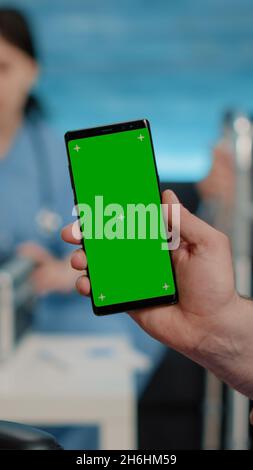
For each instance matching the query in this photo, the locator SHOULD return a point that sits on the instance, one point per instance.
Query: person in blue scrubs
(36, 197)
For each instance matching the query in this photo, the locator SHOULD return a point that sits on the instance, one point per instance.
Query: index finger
(72, 233)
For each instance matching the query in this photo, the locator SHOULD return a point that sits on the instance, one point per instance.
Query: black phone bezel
(110, 129)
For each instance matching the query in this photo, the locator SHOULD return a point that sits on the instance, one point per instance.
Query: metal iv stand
(236, 222)
(238, 421)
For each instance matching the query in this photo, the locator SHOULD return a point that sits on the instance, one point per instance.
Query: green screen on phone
(111, 174)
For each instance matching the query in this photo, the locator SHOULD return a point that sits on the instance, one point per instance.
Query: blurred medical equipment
(227, 411)
(16, 302)
(238, 425)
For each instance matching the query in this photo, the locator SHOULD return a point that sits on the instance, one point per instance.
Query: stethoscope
(48, 221)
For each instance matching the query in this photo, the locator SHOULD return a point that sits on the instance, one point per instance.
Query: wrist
(226, 349)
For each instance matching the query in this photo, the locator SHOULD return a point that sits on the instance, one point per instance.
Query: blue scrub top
(21, 178)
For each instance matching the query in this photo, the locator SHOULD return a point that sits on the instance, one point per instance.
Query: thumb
(192, 229)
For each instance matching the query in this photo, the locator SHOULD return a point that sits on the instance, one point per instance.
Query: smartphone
(115, 183)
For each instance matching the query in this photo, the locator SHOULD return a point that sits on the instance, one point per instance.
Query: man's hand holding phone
(211, 324)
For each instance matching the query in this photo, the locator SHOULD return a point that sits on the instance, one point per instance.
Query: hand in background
(50, 274)
(220, 182)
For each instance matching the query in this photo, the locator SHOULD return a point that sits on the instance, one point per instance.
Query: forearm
(227, 349)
